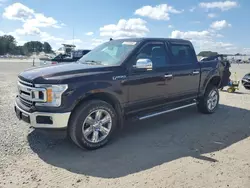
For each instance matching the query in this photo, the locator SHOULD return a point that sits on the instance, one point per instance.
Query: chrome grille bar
(25, 83)
(31, 93)
(25, 102)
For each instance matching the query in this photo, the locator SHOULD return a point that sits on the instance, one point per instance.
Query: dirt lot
(181, 149)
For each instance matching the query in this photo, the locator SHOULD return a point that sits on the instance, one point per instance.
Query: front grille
(24, 89)
(26, 102)
(29, 95)
(25, 83)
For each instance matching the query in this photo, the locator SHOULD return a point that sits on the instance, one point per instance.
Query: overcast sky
(221, 26)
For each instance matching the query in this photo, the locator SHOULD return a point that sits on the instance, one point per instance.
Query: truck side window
(182, 54)
(156, 53)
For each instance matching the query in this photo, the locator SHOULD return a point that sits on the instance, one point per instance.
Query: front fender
(94, 88)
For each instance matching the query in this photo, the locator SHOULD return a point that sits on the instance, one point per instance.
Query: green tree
(7, 44)
(46, 47)
(207, 54)
(19, 50)
(33, 47)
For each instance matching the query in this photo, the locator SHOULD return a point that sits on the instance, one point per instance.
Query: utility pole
(73, 36)
(33, 56)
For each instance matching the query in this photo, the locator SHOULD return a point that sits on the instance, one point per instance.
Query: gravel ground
(181, 149)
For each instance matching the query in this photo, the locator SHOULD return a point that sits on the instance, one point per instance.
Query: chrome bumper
(58, 120)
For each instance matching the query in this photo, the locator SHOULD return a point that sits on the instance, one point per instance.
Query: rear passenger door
(185, 70)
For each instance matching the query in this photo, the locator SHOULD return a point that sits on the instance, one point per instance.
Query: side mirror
(144, 64)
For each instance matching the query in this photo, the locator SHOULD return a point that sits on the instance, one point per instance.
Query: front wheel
(92, 124)
(210, 100)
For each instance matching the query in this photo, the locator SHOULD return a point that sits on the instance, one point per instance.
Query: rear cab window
(182, 54)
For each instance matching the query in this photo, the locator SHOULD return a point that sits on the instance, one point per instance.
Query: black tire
(79, 117)
(203, 106)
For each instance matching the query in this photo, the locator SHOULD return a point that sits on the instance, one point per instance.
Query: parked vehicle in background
(246, 81)
(64, 58)
(128, 78)
(66, 49)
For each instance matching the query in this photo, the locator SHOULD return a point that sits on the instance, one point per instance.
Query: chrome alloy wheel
(212, 100)
(97, 125)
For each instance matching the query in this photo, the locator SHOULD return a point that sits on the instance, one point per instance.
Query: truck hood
(57, 73)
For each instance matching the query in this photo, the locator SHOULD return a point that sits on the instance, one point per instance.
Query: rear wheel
(92, 124)
(210, 100)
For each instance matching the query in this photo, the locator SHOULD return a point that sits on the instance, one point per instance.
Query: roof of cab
(154, 39)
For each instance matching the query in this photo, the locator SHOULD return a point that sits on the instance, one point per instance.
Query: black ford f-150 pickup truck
(139, 78)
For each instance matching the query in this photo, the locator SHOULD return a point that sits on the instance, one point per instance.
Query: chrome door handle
(196, 72)
(168, 76)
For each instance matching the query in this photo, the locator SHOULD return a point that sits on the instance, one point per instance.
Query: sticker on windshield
(129, 43)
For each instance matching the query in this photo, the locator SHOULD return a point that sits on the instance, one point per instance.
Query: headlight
(53, 94)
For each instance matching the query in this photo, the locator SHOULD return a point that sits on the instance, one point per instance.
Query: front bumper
(43, 119)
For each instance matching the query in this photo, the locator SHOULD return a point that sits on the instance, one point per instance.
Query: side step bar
(166, 111)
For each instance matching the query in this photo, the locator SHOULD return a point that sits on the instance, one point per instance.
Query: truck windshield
(109, 53)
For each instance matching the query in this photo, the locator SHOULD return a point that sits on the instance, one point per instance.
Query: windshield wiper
(93, 62)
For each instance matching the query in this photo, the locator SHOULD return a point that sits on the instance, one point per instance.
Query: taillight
(54, 62)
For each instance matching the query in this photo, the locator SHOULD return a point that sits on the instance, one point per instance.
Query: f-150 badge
(122, 77)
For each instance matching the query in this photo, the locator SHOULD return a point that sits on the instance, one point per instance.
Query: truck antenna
(73, 36)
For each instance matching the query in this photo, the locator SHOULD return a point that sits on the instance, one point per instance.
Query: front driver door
(148, 88)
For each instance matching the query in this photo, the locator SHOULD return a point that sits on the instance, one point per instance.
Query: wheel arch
(214, 80)
(104, 96)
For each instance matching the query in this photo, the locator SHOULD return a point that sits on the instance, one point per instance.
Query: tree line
(8, 45)
(210, 54)
(207, 54)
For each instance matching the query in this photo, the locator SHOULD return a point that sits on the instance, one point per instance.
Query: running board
(166, 111)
